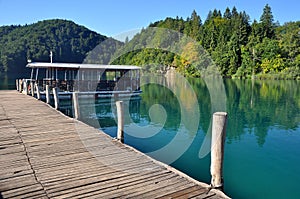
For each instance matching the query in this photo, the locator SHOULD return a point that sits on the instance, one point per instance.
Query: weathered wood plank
(22, 190)
(139, 190)
(113, 184)
(11, 149)
(16, 172)
(180, 193)
(125, 188)
(82, 171)
(15, 182)
(58, 157)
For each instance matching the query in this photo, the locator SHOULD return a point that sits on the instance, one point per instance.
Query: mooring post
(17, 84)
(76, 105)
(20, 85)
(37, 88)
(217, 149)
(56, 99)
(120, 115)
(32, 88)
(47, 94)
(25, 87)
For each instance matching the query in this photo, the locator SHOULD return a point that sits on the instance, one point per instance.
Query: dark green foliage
(267, 23)
(68, 41)
(103, 52)
(149, 49)
(238, 48)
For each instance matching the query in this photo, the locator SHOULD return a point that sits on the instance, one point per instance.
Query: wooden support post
(17, 84)
(47, 94)
(56, 99)
(120, 115)
(217, 149)
(76, 105)
(25, 87)
(32, 88)
(38, 93)
(20, 85)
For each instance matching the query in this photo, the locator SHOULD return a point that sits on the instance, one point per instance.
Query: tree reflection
(255, 106)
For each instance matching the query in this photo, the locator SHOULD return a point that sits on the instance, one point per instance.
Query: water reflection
(6, 82)
(263, 131)
(256, 106)
(253, 107)
(101, 112)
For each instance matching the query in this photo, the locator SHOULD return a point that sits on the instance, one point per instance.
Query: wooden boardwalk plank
(133, 187)
(44, 154)
(114, 184)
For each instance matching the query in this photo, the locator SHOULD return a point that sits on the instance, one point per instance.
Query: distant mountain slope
(103, 52)
(230, 41)
(68, 41)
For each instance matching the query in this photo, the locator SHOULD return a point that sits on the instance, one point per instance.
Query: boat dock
(45, 154)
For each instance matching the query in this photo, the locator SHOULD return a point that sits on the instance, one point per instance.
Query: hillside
(68, 41)
(239, 48)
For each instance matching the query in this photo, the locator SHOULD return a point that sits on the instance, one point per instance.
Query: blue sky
(112, 17)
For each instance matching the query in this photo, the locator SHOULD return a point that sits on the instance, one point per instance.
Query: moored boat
(87, 79)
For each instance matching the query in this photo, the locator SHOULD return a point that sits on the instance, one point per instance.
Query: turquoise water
(262, 154)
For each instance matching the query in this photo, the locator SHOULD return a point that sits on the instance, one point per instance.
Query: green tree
(289, 39)
(227, 14)
(195, 25)
(267, 23)
(68, 41)
(234, 55)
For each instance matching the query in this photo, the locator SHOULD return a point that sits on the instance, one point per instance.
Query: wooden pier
(45, 154)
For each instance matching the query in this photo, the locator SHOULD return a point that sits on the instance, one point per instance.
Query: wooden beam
(120, 114)
(217, 149)
(38, 93)
(47, 94)
(32, 88)
(76, 105)
(56, 97)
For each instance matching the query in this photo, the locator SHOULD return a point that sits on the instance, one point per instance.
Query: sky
(116, 17)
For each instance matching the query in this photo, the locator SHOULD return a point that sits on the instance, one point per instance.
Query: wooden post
(47, 94)
(120, 114)
(32, 88)
(76, 105)
(217, 149)
(38, 94)
(17, 84)
(20, 85)
(56, 99)
(25, 87)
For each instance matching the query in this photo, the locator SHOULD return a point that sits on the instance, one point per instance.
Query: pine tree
(234, 12)
(227, 13)
(126, 40)
(267, 23)
(195, 25)
(234, 55)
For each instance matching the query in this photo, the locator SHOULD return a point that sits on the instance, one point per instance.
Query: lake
(262, 154)
(7, 83)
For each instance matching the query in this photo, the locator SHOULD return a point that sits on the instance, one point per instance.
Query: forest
(262, 49)
(68, 41)
(239, 47)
